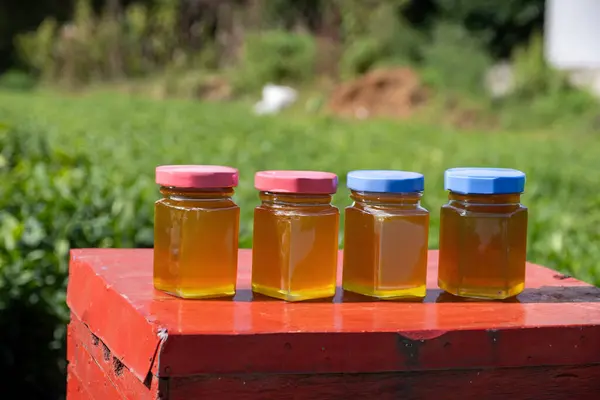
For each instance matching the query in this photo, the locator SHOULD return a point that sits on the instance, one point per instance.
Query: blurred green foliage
(99, 46)
(271, 41)
(17, 80)
(53, 200)
(500, 25)
(275, 56)
(455, 61)
(377, 36)
(543, 96)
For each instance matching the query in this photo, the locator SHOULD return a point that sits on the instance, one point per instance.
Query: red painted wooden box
(128, 341)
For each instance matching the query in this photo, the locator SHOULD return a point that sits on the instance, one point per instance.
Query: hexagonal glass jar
(295, 244)
(385, 235)
(196, 228)
(483, 233)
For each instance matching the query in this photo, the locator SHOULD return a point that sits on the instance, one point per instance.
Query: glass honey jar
(483, 233)
(295, 243)
(385, 235)
(196, 231)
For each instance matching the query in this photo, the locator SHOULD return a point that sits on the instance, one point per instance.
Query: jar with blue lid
(385, 235)
(483, 233)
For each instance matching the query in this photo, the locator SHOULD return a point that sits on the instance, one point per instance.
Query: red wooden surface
(531, 383)
(76, 390)
(553, 327)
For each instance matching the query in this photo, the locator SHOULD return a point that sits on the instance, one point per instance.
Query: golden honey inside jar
(483, 233)
(196, 231)
(295, 243)
(385, 235)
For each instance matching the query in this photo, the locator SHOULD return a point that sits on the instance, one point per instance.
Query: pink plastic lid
(312, 182)
(196, 176)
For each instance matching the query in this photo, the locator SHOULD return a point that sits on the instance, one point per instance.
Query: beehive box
(128, 341)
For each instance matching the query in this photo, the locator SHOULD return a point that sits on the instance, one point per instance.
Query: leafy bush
(501, 25)
(36, 48)
(379, 38)
(275, 56)
(455, 60)
(96, 47)
(546, 93)
(533, 76)
(53, 201)
(450, 59)
(361, 55)
(498, 26)
(17, 80)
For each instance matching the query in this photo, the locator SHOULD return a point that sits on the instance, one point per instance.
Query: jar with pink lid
(295, 235)
(196, 228)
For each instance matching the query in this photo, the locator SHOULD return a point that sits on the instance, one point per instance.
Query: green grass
(129, 136)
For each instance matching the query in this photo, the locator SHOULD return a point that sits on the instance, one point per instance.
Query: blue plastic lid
(385, 181)
(484, 180)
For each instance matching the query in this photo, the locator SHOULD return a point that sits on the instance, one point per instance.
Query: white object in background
(572, 41)
(572, 34)
(499, 80)
(274, 99)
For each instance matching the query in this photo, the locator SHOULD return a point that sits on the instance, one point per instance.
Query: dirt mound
(395, 93)
(214, 89)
